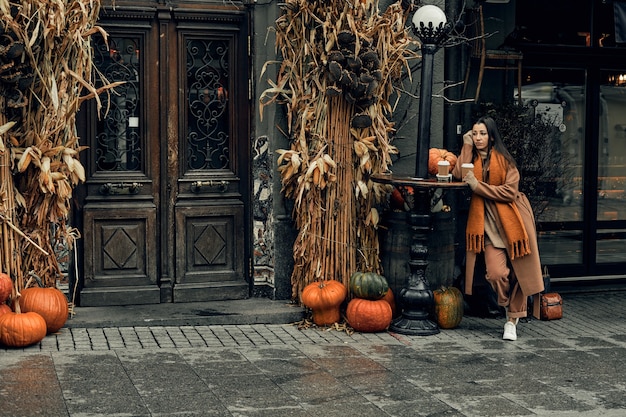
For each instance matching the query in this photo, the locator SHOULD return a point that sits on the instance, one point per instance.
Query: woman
(500, 223)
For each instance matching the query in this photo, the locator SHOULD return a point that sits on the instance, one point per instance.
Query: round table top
(416, 182)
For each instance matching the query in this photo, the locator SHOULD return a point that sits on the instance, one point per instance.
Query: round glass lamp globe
(429, 14)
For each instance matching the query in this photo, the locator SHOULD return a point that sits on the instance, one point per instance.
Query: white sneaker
(510, 331)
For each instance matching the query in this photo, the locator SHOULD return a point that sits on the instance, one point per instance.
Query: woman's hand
(467, 138)
(471, 180)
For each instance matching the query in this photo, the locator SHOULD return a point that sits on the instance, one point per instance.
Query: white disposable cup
(465, 168)
(443, 168)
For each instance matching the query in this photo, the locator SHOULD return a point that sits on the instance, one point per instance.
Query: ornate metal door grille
(208, 131)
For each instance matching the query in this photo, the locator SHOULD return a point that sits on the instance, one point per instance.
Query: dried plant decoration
(45, 66)
(341, 61)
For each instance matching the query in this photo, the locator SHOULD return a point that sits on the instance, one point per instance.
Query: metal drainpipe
(454, 71)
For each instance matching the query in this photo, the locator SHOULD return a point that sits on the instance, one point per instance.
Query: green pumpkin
(448, 307)
(368, 285)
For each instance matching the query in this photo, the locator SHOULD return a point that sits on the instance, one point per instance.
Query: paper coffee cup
(465, 168)
(443, 168)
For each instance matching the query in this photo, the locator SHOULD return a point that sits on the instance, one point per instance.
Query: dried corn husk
(340, 63)
(40, 152)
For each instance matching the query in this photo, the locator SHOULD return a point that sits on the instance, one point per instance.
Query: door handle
(197, 186)
(120, 188)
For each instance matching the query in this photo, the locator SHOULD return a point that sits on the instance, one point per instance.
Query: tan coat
(527, 268)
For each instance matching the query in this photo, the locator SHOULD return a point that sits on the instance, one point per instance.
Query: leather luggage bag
(535, 301)
(551, 306)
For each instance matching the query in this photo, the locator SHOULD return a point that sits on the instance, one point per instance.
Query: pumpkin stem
(367, 266)
(16, 304)
(32, 275)
(15, 292)
(28, 282)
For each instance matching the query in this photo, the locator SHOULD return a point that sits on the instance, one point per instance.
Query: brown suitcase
(551, 306)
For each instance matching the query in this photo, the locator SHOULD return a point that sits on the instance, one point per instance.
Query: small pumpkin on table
(437, 154)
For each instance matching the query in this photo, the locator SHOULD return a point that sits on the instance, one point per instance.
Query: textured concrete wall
(272, 228)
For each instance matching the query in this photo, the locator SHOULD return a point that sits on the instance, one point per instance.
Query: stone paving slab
(592, 317)
(568, 367)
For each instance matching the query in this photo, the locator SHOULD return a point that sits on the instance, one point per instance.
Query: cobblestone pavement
(569, 367)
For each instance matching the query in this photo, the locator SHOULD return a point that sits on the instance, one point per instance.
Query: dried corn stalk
(340, 62)
(45, 65)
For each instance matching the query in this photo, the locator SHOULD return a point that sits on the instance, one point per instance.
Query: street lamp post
(416, 297)
(429, 25)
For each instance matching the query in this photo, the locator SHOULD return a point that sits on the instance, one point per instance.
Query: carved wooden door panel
(166, 198)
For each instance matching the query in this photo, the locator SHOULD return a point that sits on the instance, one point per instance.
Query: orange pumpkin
(435, 155)
(368, 316)
(50, 303)
(4, 308)
(6, 286)
(391, 301)
(448, 307)
(396, 199)
(324, 299)
(401, 198)
(19, 329)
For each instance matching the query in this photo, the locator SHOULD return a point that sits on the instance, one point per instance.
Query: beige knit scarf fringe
(510, 218)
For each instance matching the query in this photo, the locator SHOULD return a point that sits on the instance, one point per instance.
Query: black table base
(416, 299)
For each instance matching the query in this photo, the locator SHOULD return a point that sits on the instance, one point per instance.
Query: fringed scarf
(516, 236)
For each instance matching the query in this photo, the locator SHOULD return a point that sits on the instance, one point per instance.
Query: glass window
(557, 98)
(118, 145)
(560, 105)
(610, 245)
(612, 149)
(611, 24)
(561, 247)
(553, 22)
(208, 133)
(611, 206)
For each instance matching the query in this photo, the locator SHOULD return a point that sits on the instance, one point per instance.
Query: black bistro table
(416, 298)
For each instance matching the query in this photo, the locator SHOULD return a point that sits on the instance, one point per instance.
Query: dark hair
(495, 140)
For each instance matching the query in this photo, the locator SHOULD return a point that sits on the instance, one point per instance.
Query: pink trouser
(498, 276)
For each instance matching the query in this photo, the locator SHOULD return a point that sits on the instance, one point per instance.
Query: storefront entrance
(165, 203)
(574, 77)
(582, 226)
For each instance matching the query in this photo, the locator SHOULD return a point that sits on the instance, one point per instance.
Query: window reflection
(610, 246)
(596, 23)
(558, 98)
(612, 150)
(544, 22)
(562, 106)
(561, 247)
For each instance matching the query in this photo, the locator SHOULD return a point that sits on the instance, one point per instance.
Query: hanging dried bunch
(340, 63)
(45, 66)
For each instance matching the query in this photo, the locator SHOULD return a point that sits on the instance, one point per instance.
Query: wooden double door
(165, 207)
